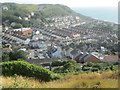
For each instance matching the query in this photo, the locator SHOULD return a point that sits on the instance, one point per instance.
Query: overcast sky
(70, 3)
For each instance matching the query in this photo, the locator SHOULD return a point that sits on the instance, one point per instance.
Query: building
(22, 31)
(75, 35)
(86, 57)
(111, 58)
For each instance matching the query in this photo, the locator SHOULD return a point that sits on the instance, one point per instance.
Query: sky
(70, 3)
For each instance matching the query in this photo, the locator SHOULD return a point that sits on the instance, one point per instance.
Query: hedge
(25, 69)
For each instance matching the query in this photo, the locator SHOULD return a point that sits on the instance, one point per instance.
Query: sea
(109, 14)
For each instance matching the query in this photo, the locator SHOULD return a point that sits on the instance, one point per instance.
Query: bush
(13, 55)
(90, 64)
(69, 67)
(58, 70)
(94, 69)
(84, 68)
(56, 63)
(25, 69)
(67, 61)
(17, 54)
(97, 65)
(17, 26)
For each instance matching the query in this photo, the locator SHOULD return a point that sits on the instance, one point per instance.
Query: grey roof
(79, 54)
(84, 55)
(87, 57)
(74, 52)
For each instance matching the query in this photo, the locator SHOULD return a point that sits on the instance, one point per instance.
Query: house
(6, 28)
(66, 51)
(31, 54)
(40, 44)
(75, 35)
(110, 58)
(37, 37)
(23, 49)
(57, 53)
(22, 31)
(26, 18)
(5, 8)
(32, 13)
(51, 51)
(41, 56)
(74, 53)
(86, 57)
(27, 41)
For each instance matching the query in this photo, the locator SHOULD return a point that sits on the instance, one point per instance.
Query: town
(52, 46)
(55, 40)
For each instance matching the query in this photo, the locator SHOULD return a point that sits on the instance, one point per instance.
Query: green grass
(29, 7)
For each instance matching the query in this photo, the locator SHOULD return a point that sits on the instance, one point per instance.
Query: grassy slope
(29, 7)
(91, 80)
(57, 10)
(50, 10)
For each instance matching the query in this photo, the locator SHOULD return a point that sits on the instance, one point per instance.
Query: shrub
(56, 63)
(25, 69)
(97, 65)
(67, 61)
(58, 70)
(84, 68)
(17, 54)
(94, 69)
(89, 64)
(13, 55)
(69, 67)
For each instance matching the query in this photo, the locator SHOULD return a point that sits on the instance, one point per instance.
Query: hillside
(48, 9)
(13, 13)
(56, 10)
(29, 7)
(41, 11)
(51, 10)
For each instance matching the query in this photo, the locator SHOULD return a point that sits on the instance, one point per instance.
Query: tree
(17, 54)
(56, 63)
(5, 57)
(17, 26)
(69, 67)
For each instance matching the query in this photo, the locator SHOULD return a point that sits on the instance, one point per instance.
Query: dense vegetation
(29, 70)
(13, 55)
(12, 15)
(70, 66)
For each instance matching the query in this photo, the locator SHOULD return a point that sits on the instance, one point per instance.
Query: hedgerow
(23, 68)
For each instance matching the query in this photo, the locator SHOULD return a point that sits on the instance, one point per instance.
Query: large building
(23, 31)
(86, 57)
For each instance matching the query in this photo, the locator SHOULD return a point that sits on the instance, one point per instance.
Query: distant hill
(29, 7)
(14, 11)
(51, 10)
(48, 10)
